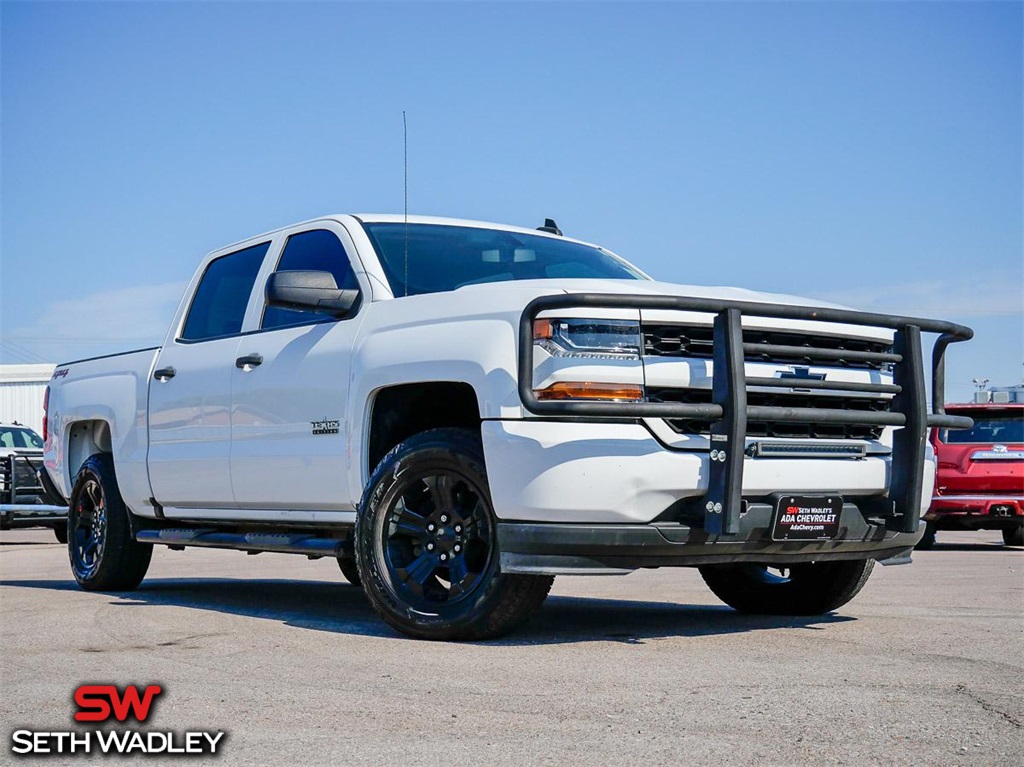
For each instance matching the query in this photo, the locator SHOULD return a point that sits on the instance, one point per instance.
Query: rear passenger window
(218, 307)
(318, 251)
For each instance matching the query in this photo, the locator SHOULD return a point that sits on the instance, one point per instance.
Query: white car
(459, 411)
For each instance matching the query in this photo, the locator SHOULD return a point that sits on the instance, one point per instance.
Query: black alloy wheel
(88, 529)
(437, 539)
(101, 546)
(426, 543)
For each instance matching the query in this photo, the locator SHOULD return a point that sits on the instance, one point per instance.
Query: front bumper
(594, 549)
(976, 512)
(617, 473)
(31, 515)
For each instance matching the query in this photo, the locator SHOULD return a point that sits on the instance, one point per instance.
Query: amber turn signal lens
(542, 329)
(590, 390)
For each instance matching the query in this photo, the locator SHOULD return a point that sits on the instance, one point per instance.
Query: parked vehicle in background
(459, 411)
(979, 484)
(24, 501)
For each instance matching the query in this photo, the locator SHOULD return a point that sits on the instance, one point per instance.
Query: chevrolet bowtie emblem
(801, 373)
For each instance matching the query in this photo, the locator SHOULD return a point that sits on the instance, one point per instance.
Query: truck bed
(112, 389)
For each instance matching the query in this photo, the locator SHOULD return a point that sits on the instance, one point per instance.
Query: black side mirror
(310, 292)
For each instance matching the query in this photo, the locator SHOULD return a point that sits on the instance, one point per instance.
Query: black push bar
(729, 412)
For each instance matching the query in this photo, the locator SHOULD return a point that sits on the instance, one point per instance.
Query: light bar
(794, 450)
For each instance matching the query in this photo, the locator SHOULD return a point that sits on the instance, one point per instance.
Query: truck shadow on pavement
(343, 609)
(960, 546)
(30, 543)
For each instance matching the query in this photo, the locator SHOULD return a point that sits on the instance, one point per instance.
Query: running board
(254, 543)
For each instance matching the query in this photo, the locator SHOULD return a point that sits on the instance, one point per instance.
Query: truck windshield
(1002, 428)
(443, 257)
(19, 438)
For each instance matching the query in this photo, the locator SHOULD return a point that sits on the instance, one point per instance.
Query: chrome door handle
(249, 360)
(163, 374)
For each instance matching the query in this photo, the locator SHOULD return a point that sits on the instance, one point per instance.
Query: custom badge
(325, 426)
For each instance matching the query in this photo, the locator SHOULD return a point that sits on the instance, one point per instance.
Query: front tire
(426, 543)
(1013, 537)
(104, 554)
(803, 589)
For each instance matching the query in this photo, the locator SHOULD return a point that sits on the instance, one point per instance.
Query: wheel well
(86, 438)
(401, 411)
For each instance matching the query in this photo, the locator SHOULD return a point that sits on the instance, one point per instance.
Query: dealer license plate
(807, 517)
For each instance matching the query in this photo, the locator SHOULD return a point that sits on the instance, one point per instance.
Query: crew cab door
(288, 413)
(190, 390)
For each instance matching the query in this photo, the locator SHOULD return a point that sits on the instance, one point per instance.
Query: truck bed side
(100, 405)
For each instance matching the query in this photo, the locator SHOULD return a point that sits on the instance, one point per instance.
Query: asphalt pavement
(924, 667)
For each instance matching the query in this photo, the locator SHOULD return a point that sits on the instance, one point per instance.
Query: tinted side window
(319, 251)
(218, 307)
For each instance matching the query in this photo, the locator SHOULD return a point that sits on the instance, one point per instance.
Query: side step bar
(253, 543)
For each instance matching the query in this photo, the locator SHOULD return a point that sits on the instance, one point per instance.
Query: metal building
(1008, 393)
(1000, 395)
(21, 393)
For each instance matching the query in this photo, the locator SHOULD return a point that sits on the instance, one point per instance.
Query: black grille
(697, 341)
(804, 429)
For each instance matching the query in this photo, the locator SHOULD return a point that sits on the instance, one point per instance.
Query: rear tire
(1014, 537)
(104, 554)
(928, 539)
(60, 532)
(804, 589)
(348, 568)
(426, 543)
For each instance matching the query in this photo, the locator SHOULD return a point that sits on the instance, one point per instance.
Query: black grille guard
(728, 411)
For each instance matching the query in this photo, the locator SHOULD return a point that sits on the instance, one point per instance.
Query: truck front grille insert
(806, 429)
(771, 346)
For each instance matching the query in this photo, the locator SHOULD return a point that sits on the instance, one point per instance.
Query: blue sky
(867, 153)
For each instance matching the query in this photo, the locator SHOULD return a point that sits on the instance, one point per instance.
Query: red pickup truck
(979, 484)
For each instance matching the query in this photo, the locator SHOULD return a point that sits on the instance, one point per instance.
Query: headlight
(606, 339)
(586, 339)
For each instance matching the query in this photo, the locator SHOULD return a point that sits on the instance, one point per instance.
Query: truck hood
(651, 288)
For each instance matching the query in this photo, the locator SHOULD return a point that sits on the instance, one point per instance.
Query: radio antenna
(405, 155)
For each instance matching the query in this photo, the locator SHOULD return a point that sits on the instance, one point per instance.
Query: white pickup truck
(459, 411)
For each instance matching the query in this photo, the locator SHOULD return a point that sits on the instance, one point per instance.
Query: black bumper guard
(729, 412)
(10, 491)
